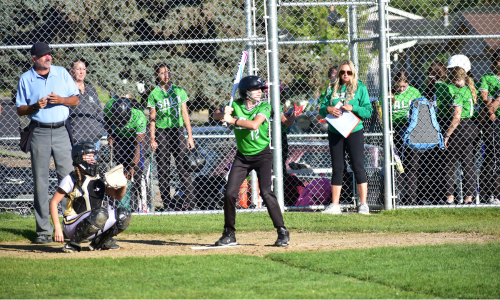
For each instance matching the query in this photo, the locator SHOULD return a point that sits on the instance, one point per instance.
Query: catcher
(85, 217)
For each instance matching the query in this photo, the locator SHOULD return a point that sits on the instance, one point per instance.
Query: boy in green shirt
(126, 130)
(250, 118)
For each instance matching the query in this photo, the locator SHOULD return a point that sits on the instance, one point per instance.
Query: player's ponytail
(469, 81)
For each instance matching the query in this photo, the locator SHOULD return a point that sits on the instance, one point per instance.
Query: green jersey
(490, 83)
(251, 142)
(463, 97)
(401, 106)
(361, 105)
(136, 125)
(168, 105)
(443, 100)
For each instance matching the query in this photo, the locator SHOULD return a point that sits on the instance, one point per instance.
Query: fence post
(384, 87)
(248, 25)
(275, 99)
(353, 24)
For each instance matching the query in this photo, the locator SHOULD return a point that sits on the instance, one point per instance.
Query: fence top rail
(445, 37)
(141, 43)
(336, 3)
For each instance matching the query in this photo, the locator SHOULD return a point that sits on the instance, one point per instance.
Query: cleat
(364, 209)
(228, 238)
(332, 209)
(71, 248)
(283, 237)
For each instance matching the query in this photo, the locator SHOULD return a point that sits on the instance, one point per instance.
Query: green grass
(442, 271)
(479, 220)
(445, 271)
(214, 276)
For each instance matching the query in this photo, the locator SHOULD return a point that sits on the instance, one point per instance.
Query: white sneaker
(333, 209)
(494, 200)
(364, 209)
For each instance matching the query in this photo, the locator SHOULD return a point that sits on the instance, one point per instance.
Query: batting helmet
(77, 153)
(121, 110)
(250, 82)
(194, 162)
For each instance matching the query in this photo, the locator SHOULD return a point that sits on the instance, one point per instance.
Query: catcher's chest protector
(88, 196)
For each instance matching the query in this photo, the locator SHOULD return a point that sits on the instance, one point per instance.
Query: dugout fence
(291, 44)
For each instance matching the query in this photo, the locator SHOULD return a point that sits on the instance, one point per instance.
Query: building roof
(485, 24)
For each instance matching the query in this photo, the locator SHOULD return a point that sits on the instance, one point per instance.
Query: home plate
(213, 247)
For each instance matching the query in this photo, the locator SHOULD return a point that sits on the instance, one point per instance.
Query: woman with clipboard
(349, 95)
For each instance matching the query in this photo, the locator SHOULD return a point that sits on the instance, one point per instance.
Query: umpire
(44, 94)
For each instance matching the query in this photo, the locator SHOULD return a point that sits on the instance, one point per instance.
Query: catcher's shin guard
(105, 240)
(89, 226)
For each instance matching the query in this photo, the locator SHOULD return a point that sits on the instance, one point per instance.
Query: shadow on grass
(25, 233)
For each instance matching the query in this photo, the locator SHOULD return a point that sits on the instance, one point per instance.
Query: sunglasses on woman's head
(342, 72)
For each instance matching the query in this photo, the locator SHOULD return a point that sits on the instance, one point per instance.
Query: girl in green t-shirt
(462, 131)
(168, 115)
(250, 118)
(404, 94)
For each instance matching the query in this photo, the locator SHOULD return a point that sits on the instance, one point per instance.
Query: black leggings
(355, 146)
(262, 163)
(172, 141)
(461, 148)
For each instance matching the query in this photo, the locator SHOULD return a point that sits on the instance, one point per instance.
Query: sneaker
(364, 209)
(44, 239)
(70, 248)
(494, 200)
(425, 202)
(332, 209)
(283, 237)
(228, 238)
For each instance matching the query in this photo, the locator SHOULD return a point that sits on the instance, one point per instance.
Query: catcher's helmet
(250, 82)
(121, 110)
(77, 153)
(194, 162)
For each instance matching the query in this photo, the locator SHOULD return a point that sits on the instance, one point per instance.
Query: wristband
(446, 136)
(34, 107)
(235, 120)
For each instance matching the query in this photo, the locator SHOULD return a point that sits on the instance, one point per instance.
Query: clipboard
(344, 124)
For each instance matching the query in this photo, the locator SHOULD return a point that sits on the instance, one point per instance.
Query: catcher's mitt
(115, 177)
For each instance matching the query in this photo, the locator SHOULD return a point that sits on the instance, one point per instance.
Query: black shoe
(109, 244)
(228, 238)
(283, 237)
(44, 239)
(71, 247)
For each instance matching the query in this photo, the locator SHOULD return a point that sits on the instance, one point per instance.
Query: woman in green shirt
(169, 115)
(489, 87)
(353, 96)
(462, 131)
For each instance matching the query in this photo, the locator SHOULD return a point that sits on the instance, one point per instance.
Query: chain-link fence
(111, 50)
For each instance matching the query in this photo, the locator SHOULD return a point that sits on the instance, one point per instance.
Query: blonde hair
(459, 73)
(352, 87)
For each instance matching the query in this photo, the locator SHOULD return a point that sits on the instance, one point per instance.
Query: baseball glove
(115, 178)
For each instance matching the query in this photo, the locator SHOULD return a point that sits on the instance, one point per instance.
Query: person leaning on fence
(44, 94)
(87, 117)
(126, 131)
(85, 217)
(461, 131)
(354, 96)
(489, 89)
(404, 94)
(250, 117)
(169, 115)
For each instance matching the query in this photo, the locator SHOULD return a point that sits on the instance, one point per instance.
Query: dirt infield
(252, 243)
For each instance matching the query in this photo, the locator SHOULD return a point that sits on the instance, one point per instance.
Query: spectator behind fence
(404, 94)
(44, 94)
(87, 117)
(332, 77)
(168, 115)
(435, 90)
(354, 97)
(461, 131)
(489, 88)
(126, 131)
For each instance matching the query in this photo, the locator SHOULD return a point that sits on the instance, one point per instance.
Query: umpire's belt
(49, 125)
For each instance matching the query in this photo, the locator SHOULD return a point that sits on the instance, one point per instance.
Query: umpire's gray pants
(47, 142)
